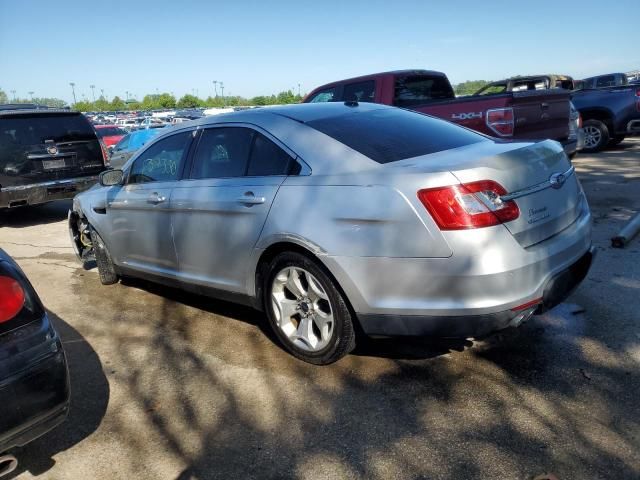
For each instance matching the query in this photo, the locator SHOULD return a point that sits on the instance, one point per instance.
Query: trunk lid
(541, 114)
(46, 146)
(540, 179)
(525, 171)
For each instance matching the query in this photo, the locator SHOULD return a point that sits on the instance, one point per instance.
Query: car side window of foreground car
(162, 161)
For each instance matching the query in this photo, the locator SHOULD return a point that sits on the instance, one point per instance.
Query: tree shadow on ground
(89, 399)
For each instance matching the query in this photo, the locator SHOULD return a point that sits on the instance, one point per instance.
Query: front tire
(596, 136)
(306, 310)
(106, 269)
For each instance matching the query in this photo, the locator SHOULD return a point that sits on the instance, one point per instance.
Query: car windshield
(389, 135)
(110, 131)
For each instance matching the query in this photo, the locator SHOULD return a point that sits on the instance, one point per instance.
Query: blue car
(129, 144)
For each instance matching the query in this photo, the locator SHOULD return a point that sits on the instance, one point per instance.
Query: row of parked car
(339, 215)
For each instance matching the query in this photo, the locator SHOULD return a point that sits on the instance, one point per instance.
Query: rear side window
(493, 89)
(36, 129)
(327, 95)
(222, 152)
(123, 144)
(389, 135)
(359, 92)
(419, 89)
(269, 159)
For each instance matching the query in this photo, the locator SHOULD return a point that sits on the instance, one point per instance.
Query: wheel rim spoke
(294, 284)
(324, 322)
(316, 291)
(306, 335)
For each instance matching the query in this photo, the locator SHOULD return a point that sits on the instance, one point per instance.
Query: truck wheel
(616, 140)
(106, 269)
(596, 136)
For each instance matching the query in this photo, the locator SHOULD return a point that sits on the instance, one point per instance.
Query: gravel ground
(171, 385)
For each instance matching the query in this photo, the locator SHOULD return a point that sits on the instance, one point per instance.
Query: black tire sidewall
(106, 268)
(342, 340)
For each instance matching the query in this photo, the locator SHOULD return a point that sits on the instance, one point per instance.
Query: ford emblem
(52, 150)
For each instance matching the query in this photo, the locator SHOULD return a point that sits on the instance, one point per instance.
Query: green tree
(469, 87)
(166, 100)
(83, 106)
(189, 101)
(117, 103)
(3, 97)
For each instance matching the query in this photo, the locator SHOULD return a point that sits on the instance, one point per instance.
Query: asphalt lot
(174, 386)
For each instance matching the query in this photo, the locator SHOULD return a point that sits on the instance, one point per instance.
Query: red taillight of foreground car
(501, 121)
(638, 99)
(470, 205)
(11, 298)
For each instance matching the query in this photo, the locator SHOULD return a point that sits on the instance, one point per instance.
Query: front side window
(269, 159)
(327, 95)
(493, 89)
(222, 152)
(360, 92)
(123, 143)
(162, 161)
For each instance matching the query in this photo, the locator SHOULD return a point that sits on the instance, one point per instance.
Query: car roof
(13, 109)
(299, 112)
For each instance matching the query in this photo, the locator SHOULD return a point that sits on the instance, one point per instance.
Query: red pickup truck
(526, 115)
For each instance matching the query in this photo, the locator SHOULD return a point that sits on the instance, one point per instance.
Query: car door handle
(155, 198)
(250, 199)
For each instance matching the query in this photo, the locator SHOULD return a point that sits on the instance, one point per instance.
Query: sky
(264, 47)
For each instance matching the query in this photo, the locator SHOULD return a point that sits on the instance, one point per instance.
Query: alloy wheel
(302, 309)
(592, 136)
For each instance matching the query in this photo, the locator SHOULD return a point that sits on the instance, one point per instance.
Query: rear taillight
(469, 205)
(105, 155)
(500, 120)
(11, 298)
(638, 99)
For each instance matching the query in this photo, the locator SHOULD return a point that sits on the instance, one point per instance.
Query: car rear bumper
(477, 291)
(556, 290)
(37, 193)
(34, 386)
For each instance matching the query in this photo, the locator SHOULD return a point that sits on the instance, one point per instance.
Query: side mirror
(109, 178)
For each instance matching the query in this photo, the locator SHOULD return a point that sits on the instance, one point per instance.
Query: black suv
(46, 154)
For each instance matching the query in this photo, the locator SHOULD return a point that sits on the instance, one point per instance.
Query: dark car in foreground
(34, 382)
(331, 216)
(46, 154)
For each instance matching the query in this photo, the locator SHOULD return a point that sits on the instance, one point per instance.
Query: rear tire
(106, 269)
(291, 280)
(596, 136)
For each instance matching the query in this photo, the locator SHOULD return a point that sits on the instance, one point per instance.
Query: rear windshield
(389, 135)
(110, 131)
(37, 128)
(419, 89)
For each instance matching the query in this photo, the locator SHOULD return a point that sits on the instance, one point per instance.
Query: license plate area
(54, 164)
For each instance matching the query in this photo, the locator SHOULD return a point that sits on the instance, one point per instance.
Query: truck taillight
(638, 99)
(469, 205)
(11, 298)
(500, 120)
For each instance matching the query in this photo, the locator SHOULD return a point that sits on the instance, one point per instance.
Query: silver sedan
(334, 217)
